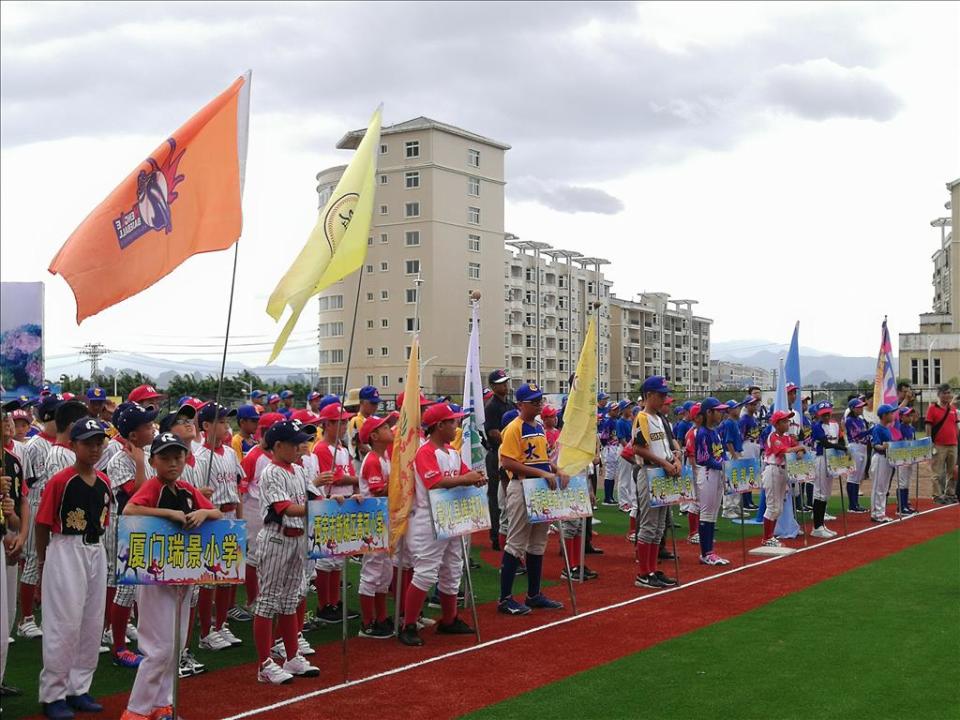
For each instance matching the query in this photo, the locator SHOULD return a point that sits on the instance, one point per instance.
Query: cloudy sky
(774, 161)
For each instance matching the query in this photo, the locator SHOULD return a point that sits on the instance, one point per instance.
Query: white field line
(556, 623)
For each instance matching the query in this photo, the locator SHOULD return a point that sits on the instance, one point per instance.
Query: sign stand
(743, 538)
(583, 547)
(843, 504)
(803, 513)
(343, 617)
(470, 598)
(673, 542)
(916, 495)
(177, 650)
(398, 594)
(566, 564)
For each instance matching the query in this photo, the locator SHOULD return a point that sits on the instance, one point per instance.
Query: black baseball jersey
(70, 506)
(13, 469)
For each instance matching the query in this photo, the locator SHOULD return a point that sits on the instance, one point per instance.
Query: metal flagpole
(346, 372)
(566, 564)
(398, 589)
(803, 514)
(843, 505)
(916, 467)
(471, 597)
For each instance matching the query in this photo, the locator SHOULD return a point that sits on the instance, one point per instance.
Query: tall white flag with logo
(471, 450)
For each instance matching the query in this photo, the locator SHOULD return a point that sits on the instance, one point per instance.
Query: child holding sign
(166, 496)
(825, 436)
(779, 442)
(439, 562)
(881, 436)
(905, 416)
(858, 437)
(710, 458)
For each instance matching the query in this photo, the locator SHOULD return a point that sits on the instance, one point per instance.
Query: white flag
(471, 450)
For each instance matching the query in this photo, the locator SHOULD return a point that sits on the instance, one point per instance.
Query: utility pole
(93, 352)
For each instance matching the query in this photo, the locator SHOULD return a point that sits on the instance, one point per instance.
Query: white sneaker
(104, 649)
(132, 633)
(771, 542)
(214, 641)
(299, 667)
(821, 532)
(272, 674)
(197, 666)
(423, 622)
(833, 533)
(305, 648)
(229, 636)
(107, 638)
(596, 521)
(29, 629)
(279, 650)
(828, 516)
(694, 539)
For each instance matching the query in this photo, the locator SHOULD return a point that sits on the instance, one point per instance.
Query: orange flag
(182, 200)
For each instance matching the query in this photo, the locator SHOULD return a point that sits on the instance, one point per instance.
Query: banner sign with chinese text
(670, 489)
(154, 551)
(459, 511)
(545, 505)
(741, 476)
(353, 528)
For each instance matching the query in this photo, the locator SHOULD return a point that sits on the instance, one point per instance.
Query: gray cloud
(566, 198)
(577, 110)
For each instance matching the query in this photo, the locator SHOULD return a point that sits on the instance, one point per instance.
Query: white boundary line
(557, 623)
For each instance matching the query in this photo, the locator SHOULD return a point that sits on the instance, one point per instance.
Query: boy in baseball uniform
(710, 458)
(825, 435)
(376, 572)
(779, 442)
(282, 541)
(880, 437)
(164, 495)
(858, 440)
(688, 442)
(905, 418)
(439, 562)
(73, 516)
(750, 432)
(729, 430)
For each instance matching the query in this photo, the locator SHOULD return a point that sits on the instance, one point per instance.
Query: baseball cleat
(272, 674)
(648, 581)
(214, 641)
(29, 629)
(410, 636)
(299, 667)
(457, 627)
(127, 659)
(512, 607)
(713, 559)
(229, 636)
(542, 602)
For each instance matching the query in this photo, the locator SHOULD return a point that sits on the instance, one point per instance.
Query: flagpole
(346, 372)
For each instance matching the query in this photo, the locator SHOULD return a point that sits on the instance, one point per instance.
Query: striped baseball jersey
(189, 474)
(122, 472)
(308, 467)
(35, 454)
(59, 458)
(224, 474)
(109, 450)
(280, 487)
(433, 464)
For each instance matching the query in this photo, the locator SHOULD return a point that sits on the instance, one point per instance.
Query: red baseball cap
(668, 400)
(370, 425)
(334, 411)
(548, 411)
(694, 410)
(142, 393)
(438, 413)
(268, 419)
(424, 402)
(780, 415)
(195, 403)
(305, 417)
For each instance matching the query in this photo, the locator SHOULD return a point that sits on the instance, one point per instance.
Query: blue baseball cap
(133, 417)
(732, 404)
(497, 376)
(508, 417)
(248, 412)
(186, 399)
(274, 398)
(750, 400)
(211, 410)
(685, 407)
(48, 407)
(528, 392)
(624, 404)
(456, 408)
(87, 429)
(96, 394)
(328, 400)
(254, 395)
(601, 396)
(313, 395)
(655, 384)
(856, 403)
(285, 431)
(286, 394)
(370, 393)
(886, 409)
(711, 403)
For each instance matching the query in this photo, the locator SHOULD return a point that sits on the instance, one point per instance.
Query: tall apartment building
(438, 231)
(548, 297)
(734, 375)
(932, 355)
(654, 335)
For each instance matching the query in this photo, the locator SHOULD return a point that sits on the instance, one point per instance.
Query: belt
(291, 532)
(228, 507)
(776, 465)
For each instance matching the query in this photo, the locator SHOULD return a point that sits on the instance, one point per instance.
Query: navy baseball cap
(167, 440)
(87, 429)
(508, 417)
(313, 395)
(211, 410)
(528, 392)
(711, 403)
(48, 407)
(328, 400)
(497, 377)
(248, 412)
(96, 394)
(286, 394)
(170, 419)
(285, 431)
(370, 393)
(602, 396)
(856, 403)
(115, 418)
(255, 395)
(655, 384)
(133, 417)
(750, 400)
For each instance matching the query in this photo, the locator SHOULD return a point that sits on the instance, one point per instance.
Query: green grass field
(881, 641)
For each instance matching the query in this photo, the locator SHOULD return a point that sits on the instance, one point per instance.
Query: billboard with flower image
(21, 338)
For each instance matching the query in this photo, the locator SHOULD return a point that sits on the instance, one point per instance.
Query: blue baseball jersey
(856, 428)
(880, 434)
(730, 432)
(709, 449)
(749, 428)
(624, 429)
(680, 430)
(906, 430)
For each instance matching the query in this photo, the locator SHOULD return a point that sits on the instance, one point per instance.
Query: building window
(412, 148)
(336, 384)
(331, 302)
(369, 324)
(384, 322)
(915, 371)
(412, 209)
(384, 238)
(473, 215)
(473, 271)
(384, 351)
(531, 341)
(473, 186)
(412, 179)
(412, 325)
(412, 238)
(473, 243)
(336, 357)
(384, 149)
(384, 210)
(412, 267)
(369, 297)
(369, 352)
(370, 241)
(384, 381)
(384, 179)
(384, 266)
(473, 158)
(936, 372)
(531, 363)
(529, 275)
(406, 352)
(323, 357)
(384, 294)
(411, 296)
(531, 319)
(336, 329)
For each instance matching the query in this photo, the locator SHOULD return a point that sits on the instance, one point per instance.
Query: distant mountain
(817, 366)
(736, 350)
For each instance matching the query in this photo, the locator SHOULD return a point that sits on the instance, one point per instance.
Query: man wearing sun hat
(499, 383)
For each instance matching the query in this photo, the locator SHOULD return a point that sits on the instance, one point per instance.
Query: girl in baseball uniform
(905, 417)
(440, 562)
(164, 495)
(690, 456)
(825, 435)
(710, 458)
(858, 440)
(779, 442)
(376, 572)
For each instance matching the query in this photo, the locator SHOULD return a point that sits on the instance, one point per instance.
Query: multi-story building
(549, 295)
(932, 355)
(734, 375)
(437, 235)
(654, 335)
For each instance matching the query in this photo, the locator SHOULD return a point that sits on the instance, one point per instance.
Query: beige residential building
(549, 295)
(932, 355)
(734, 375)
(437, 223)
(654, 335)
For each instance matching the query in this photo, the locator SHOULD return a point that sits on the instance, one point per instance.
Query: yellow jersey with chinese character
(526, 443)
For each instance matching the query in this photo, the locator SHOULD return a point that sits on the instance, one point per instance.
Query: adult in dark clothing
(499, 383)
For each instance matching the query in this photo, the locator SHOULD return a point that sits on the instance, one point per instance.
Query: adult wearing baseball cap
(523, 454)
(499, 383)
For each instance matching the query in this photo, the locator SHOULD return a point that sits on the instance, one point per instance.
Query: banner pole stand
(343, 616)
(916, 496)
(470, 597)
(398, 590)
(843, 504)
(583, 548)
(177, 649)
(566, 564)
(803, 514)
(673, 542)
(743, 537)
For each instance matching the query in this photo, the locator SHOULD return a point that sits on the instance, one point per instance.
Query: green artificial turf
(881, 641)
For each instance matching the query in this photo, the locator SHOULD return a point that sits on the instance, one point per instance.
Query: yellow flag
(578, 438)
(338, 244)
(406, 442)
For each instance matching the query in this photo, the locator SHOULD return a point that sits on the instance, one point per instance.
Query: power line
(93, 352)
